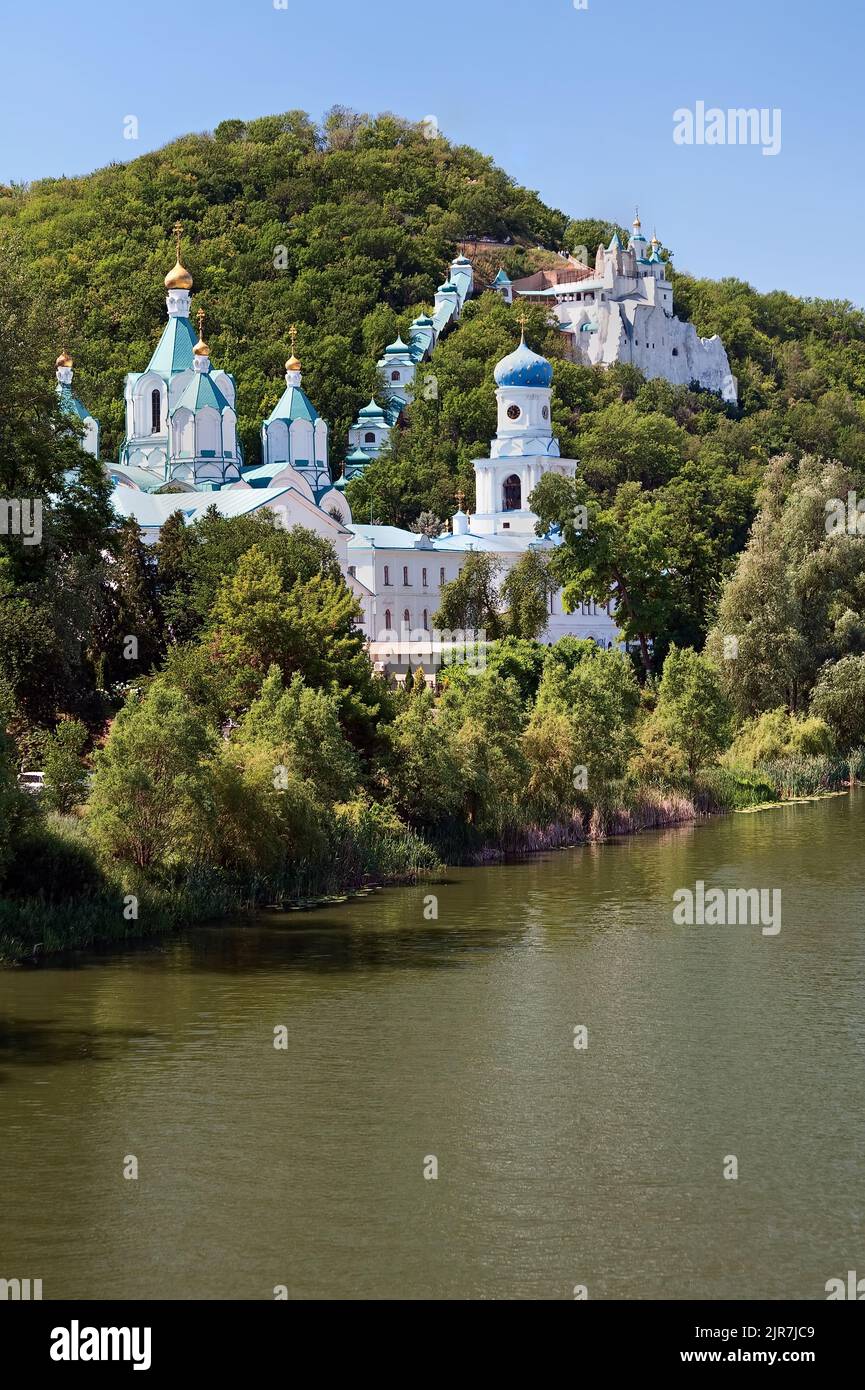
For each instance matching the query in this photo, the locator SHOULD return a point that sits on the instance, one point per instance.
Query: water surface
(453, 1037)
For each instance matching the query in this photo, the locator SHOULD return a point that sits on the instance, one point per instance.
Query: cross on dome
(293, 363)
(201, 349)
(178, 278)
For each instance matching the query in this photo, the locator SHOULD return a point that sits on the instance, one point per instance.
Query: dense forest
(241, 748)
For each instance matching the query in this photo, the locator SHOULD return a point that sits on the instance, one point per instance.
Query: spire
(178, 278)
(201, 351)
(292, 366)
(459, 520)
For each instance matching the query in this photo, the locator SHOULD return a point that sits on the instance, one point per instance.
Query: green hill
(367, 215)
(363, 215)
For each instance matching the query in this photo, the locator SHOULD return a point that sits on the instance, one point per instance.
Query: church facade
(181, 438)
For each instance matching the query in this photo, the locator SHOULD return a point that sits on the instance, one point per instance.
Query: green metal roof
(293, 404)
(70, 404)
(174, 350)
(201, 391)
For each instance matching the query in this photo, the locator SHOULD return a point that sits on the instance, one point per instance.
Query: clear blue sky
(577, 103)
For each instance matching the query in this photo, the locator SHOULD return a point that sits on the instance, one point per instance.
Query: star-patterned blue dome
(523, 368)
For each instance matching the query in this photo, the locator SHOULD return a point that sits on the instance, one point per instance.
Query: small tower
(294, 432)
(370, 431)
(70, 405)
(638, 244)
(524, 448)
(503, 286)
(181, 422)
(397, 367)
(462, 276)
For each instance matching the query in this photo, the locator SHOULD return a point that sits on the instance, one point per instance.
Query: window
(394, 376)
(423, 577)
(506, 526)
(512, 494)
(351, 570)
(387, 574)
(406, 617)
(369, 438)
(675, 352)
(442, 575)
(545, 412)
(387, 622)
(425, 621)
(155, 412)
(514, 412)
(405, 575)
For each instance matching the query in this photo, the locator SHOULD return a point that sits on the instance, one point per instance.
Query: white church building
(405, 571)
(623, 312)
(181, 451)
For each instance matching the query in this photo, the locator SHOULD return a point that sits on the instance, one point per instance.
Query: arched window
(512, 494)
(405, 575)
(369, 438)
(155, 411)
(387, 619)
(394, 376)
(387, 577)
(425, 621)
(442, 575)
(406, 617)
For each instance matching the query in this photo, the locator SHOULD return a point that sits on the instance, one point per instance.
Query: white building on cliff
(624, 313)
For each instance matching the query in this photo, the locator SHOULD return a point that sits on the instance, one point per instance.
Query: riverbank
(68, 901)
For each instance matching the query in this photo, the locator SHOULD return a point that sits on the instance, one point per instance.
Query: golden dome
(637, 223)
(179, 278)
(655, 241)
(201, 349)
(293, 364)
(64, 360)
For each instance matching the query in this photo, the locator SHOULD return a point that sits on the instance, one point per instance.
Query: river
(409, 1039)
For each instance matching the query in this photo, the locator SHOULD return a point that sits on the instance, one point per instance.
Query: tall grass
(801, 776)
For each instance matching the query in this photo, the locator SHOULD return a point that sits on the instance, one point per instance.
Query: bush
(777, 735)
(52, 862)
(839, 698)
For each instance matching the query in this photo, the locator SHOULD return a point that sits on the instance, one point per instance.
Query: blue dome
(523, 368)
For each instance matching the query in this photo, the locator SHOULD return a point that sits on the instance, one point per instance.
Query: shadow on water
(44, 1042)
(337, 946)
